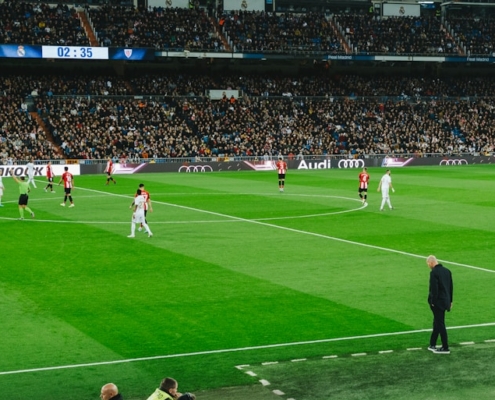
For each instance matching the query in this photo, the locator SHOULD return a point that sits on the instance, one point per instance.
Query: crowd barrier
(248, 164)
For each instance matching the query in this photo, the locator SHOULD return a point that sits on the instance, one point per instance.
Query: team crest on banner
(128, 52)
(169, 3)
(244, 5)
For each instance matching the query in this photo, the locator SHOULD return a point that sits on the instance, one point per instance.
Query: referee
(23, 196)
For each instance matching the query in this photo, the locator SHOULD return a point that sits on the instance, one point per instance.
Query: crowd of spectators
(200, 29)
(21, 137)
(255, 127)
(40, 24)
(159, 28)
(41, 85)
(398, 35)
(285, 33)
(475, 33)
(358, 117)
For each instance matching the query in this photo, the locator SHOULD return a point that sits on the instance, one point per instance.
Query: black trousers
(439, 328)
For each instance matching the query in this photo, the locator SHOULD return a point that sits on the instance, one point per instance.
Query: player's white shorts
(385, 193)
(138, 217)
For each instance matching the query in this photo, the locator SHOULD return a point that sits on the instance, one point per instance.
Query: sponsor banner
(476, 59)
(319, 163)
(39, 170)
(396, 162)
(453, 161)
(351, 163)
(169, 166)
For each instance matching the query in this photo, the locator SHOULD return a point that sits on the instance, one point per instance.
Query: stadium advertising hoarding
(75, 52)
(39, 170)
(293, 164)
(140, 54)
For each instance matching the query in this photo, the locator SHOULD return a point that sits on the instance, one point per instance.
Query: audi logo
(351, 164)
(195, 168)
(460, 161)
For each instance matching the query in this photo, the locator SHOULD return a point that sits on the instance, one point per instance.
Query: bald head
(108, 391)
(431, 261)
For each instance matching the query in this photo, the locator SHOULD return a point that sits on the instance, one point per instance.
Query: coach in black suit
(440, 299)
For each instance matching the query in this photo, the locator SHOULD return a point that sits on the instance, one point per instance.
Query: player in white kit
(138, 215)
(385, 185)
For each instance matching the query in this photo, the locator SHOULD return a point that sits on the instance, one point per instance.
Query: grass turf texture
(234, 264)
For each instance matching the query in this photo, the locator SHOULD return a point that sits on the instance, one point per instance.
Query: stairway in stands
(46, 131)
(220, 34)
(83, 17)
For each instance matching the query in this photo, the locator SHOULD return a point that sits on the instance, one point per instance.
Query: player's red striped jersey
(68, 178)
(281, 166)
(49, 172)
(364, 178)
(146, 196)
(109, 167)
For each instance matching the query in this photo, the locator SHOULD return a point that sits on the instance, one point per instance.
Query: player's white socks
(147, 228)
(133, 228)
(387, 200)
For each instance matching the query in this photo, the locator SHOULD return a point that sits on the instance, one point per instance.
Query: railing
(380, 98)
(225, 159)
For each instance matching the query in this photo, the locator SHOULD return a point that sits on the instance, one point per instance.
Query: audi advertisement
(269, 165)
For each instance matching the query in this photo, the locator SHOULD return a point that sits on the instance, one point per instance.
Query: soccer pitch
(238, 274)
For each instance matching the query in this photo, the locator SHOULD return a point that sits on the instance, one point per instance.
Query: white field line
(233, 218)
(404, 253)
(265, 346)
(209, 352)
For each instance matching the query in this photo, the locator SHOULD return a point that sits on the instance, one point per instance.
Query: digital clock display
(75, 52)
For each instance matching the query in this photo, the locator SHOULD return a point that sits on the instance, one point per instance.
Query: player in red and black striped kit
(68, 180)
(364, 178)
(282, 169)
(49, 176)
(109, 170)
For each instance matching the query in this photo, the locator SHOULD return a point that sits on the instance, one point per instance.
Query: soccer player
(68, 180)
(49, 177)
(364, 178)
(23, 196)
(147, 204)
(1, 191)
(138, 215)
(109, 170)
(282, 169)
(384, 185)
(30, 171)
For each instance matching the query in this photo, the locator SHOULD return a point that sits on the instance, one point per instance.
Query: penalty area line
(240, 349)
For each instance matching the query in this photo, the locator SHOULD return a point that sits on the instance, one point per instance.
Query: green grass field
(238, 274)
